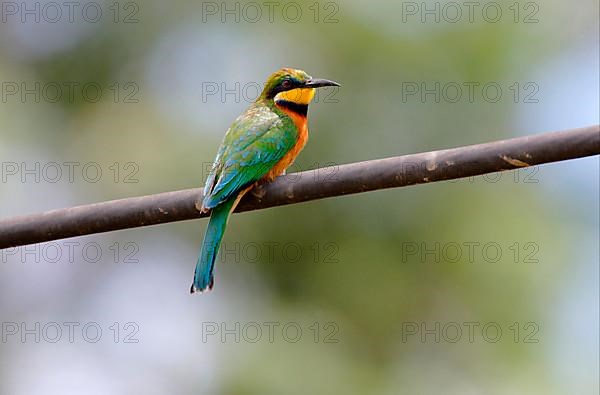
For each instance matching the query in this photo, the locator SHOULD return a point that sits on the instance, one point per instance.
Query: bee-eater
(259, 146)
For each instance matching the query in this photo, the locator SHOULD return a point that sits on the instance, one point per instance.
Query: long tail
(203, 276)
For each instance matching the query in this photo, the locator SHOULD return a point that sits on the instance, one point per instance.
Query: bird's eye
(287, 83)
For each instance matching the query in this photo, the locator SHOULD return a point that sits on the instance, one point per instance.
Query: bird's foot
(258, 191)
(200, 207)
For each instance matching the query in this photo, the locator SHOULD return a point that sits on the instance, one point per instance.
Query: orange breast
(302, 125)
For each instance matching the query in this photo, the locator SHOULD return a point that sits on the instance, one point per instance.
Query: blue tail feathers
(203, 276)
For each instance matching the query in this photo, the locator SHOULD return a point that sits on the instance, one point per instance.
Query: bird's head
(294, 86)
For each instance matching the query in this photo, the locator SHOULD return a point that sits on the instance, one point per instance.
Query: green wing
(256, 141)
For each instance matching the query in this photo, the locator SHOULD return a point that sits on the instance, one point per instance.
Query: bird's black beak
(317, 83)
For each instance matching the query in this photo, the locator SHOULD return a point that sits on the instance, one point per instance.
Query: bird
(258, 147)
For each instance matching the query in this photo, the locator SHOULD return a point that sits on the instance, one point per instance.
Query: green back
(254, 143)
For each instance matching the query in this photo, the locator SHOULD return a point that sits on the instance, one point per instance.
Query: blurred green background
(378, 283)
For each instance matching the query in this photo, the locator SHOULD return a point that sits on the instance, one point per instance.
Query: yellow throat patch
(298, 96)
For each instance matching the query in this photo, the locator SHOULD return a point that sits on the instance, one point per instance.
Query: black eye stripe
(286, 84)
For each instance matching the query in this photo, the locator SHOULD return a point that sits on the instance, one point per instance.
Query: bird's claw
(258, 191)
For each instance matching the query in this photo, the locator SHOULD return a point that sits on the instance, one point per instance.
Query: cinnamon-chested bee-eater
(259, 146)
